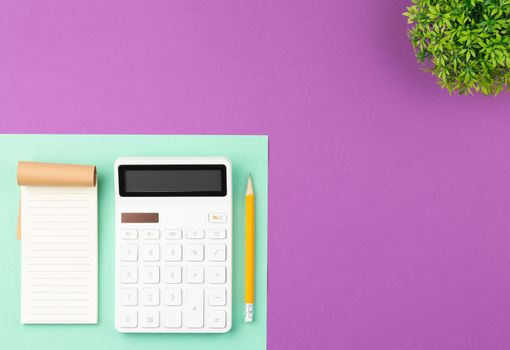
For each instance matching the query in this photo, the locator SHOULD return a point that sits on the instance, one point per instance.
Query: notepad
(59, 243)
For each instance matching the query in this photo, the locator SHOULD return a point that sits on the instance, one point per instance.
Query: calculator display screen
(172, 180)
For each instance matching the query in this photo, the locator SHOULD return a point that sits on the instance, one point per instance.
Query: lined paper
(59, 254)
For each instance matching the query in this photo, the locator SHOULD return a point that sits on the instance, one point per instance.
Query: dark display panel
(172, 180)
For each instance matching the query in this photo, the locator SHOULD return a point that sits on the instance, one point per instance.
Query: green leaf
(465, 42)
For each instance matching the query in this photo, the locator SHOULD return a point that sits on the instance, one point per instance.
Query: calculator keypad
(173, 279)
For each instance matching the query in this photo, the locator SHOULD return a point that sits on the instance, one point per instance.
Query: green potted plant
(464, 43)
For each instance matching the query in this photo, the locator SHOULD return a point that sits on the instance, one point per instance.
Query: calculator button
(218, 233)
(128, 274)
(172, 296)
(172, 274)
(150, 234)
(217, 319)
(128, 319)
(128, 234)
(128, 252)
(195, 274)
(217, 252)
(150, 319)
(128, 296)
(172, 319)
(194, 252)
(195, 234)
(173, 252)
(150, 274)
(217, 217)
(217, 274)
(150, 296)
(217, 296)
(172, 234)
(150, 252)
(194, 308)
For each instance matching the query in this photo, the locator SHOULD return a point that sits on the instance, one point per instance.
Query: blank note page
(59, 254)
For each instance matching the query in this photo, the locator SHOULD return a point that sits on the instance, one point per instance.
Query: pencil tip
(249, 187)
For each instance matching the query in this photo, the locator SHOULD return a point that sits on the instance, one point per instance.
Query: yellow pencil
(250, 251)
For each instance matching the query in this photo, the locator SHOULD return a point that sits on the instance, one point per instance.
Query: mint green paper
(247, 153)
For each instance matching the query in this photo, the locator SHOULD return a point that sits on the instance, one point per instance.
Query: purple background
(389, 199)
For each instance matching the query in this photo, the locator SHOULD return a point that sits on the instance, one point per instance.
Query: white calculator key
(194, 252)
(128, 252)
(150, 296)
(217, 319)
(129, 296)
(150, 274)
(172, 319)
(149, 319)
(194, 308)
(172, 296)
(218, 233)
(217, 217)
(150, 252)
(172, 252)
(151, 233)
(217, 296)
(195, 234)
(128, 234)
(128, 274)
(195, 274)
(217, 252)
(172, 274)
(128, 319)
(217, 274)
(172, 234)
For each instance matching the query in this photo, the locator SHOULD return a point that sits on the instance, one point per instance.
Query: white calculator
(173, 245)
